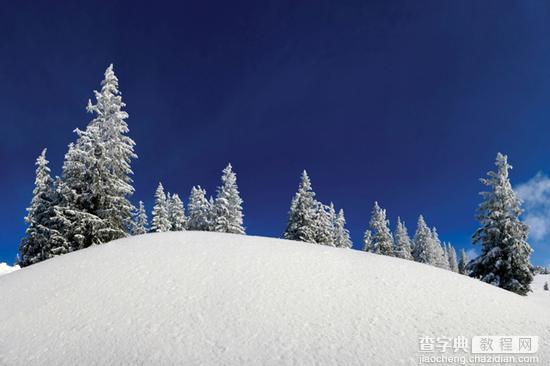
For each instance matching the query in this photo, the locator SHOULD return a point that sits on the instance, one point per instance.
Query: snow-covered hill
(203, 298)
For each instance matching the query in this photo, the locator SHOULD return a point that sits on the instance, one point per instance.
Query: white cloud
(5, 268)
(535, 194)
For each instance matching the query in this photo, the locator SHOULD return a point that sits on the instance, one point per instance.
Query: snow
(6, 268)
(538, 294)
(211, 298)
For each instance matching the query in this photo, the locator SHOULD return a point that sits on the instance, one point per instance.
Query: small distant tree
(367, 241)
(176, 213)
(451, 252)
(424, 250)
(342, 238)
(228, 205)
(504, 259)
(200, 211)
(382, 240)
(463, 262)
(441, 259)
(140, 220)
(324, 224)
(161, 220)
(302, 223)
(403, 245)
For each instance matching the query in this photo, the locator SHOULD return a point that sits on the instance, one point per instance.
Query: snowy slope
(6, 268)
(538, 294)
(204, 298)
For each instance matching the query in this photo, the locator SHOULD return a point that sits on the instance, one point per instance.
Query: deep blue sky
(406, 103)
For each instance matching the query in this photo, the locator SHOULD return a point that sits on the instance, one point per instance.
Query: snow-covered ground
(539, 294)
(6, 268)
(218, 299)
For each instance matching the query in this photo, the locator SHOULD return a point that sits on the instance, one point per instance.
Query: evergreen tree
(441, 259)
(424, 247)
(199, 210)
(44, 238)
(176, 213)
(402, 241)
(302, 216)
(324, 227)
(161, 219)
(463, 262)
(382, 241)
(342, 238)
(367, 241)
(211, 214)
(504, 259)
(96, 173)
(140, 221)
(453, 265)
(229, 212)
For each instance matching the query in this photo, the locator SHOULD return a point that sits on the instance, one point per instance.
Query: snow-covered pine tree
(228, 205)
(176, 213)
(402, 248)
(212, 214)
(199, 211)
(463, 262)
(504, 259)
(96, 180)
(82, 190)
(424, 247)
(301, 217)
(451, 252)
(382, 240)
(140, 220)
(44, 238)
(325, 217)
(441, 260)
(161, 220)
(118, 151)
(367, 241)
(342, 238)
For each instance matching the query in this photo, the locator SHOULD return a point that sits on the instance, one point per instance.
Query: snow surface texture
(539, 294)
(193, 298)
(6, 268)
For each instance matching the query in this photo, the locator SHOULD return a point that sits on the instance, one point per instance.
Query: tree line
(90, 204)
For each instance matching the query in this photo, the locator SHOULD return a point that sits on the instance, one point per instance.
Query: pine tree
(199, 210)
(382, 241)
(161, 220)
(504, 259)
(211, 214)
(453, 265)
(342, 238)
(463, 262)
(302, 216)
(140, 221)
(367, 241)
(229, 212)
(441, 259)
(44, 238)
(96, 173)
(424, 247)
(324, 227)
(402, 241)
(176, 213)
